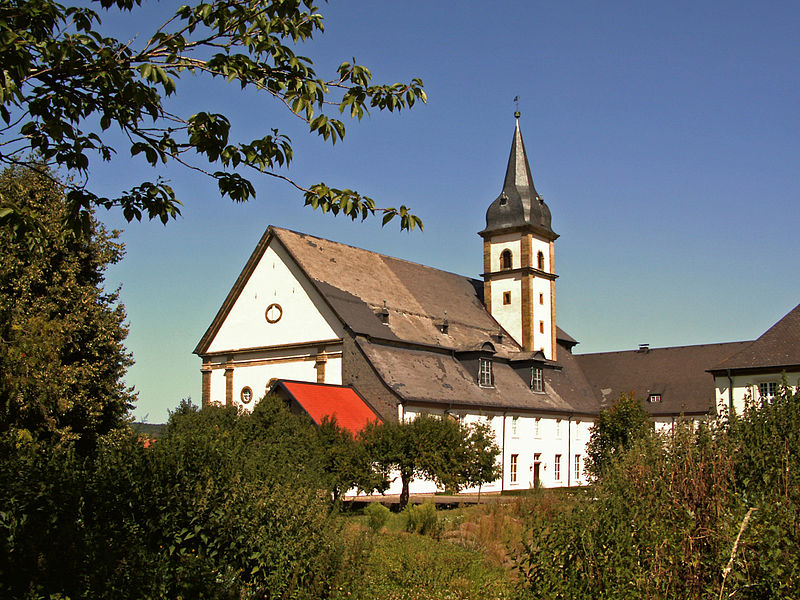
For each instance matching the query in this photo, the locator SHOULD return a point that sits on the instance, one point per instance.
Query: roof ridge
(637, 351)
(382, 255)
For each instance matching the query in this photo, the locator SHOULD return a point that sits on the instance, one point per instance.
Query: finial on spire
(516, 103)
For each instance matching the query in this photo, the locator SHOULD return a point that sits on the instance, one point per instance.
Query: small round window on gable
(273, 313)
(246, 395)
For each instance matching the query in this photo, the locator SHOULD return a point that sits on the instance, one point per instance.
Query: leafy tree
(345, 461)
(225, 505)
(65, 85)
(62, 357)
(615, 429)
(436, 448)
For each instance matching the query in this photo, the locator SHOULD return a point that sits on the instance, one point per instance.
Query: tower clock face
(274, 313)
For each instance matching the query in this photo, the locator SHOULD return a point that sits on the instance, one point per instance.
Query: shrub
(377, 515)
(423, 519)
(225, 505)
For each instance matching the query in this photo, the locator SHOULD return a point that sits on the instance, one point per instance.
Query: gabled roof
(356, 283)
(678, 374)
(778, 347)
(351, 411)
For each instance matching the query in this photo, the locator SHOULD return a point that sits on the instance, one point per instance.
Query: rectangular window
(768, 389)
(541, 298)
(654, 398)
(558, 429)
(485, 372)
(537, 382)
(506, 297)
(541, 326)
(577, 466)
(557, 467)
(513, 475)
(515, 426)
(537, 433)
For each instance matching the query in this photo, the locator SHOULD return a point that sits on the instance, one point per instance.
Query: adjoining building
(411, 339)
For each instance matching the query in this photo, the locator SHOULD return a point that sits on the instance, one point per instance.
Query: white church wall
(303, 316)
(508, 315)
(508, 241)
(746, 387)
(542, 316)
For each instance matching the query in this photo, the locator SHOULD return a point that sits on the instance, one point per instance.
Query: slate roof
(679, 374)
(351, 411)
(519, 205)
(778, 347)
(410, 353)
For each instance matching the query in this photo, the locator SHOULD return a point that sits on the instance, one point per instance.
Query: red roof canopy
(321, 400)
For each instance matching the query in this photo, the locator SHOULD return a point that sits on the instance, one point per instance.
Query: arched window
(505, 259)
(540, 261)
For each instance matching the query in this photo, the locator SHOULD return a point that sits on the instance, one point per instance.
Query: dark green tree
(65, 85)
(616, 428)
(345, 461)
(62, 357)
(440, 449)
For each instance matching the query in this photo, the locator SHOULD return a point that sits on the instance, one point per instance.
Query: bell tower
(519, 288)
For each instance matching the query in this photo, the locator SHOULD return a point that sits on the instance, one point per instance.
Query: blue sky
(663, 136)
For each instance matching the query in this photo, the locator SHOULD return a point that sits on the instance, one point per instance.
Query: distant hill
(152, 430)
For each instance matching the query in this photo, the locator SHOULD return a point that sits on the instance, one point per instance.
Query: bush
(225, 505)
(664, 518)
(377, 515)
(423, 519)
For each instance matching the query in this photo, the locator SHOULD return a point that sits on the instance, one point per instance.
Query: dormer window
(537, 379)
(485, 377)
(505, 259)
(654, 398)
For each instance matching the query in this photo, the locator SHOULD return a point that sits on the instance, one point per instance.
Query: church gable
(273, 303)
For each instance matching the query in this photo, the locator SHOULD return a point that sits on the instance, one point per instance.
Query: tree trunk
(404, 493)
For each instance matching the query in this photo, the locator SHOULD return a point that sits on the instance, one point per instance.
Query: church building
(406, 339)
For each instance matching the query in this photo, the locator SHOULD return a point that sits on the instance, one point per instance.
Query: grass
(472, 559)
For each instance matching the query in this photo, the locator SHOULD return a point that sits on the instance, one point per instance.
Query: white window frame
(512, 468)
(577, 466)
(771, 389)
(654, 398)
(537, 379)
(485, 375)
(557, 467)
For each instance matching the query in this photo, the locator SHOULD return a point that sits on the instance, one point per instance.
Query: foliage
(664, 519)
(441, 449)
(65, 85)
(423, 519)
(377, 515)
(224, 505)
(416, 567)
(345, 461)
(62, 357)
(615, 429)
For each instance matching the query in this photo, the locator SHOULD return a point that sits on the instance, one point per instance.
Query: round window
(274, 313)
(246, 395)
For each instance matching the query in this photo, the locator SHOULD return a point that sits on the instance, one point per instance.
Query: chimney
(383, 314)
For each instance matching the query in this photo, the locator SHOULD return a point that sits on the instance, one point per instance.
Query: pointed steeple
(519, 204)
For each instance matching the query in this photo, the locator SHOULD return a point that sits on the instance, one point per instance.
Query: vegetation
(225, 505)
(440, 449)
(706, 511)
(616, 429)
(61, 332)
(65, 85)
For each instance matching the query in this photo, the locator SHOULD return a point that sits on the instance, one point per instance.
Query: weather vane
(516, 103)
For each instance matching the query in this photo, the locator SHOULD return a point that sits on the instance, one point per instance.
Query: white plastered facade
(278, 328)
(746, 387)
